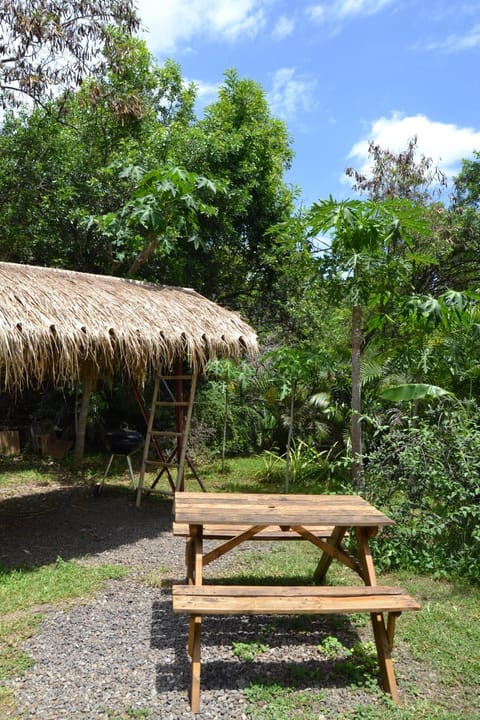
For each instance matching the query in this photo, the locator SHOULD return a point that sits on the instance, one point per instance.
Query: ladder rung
(176, 403)
(149, 491)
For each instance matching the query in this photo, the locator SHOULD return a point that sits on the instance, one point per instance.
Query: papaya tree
(370, 257)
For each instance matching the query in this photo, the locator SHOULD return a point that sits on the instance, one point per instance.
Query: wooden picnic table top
(276, 509)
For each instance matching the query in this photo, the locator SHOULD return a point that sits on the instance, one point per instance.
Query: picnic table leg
(194, 649)
(326, 560)
(385, 662)
(194, 560)
(194, 555)
(383, 639)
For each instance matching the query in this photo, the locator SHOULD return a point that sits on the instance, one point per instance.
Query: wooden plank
(10, 442)
(230, 544)
(260, 508)
(326, 559)
(271, 532)
(238, 600)
(334, 591)
(334, 551)
(232, 500)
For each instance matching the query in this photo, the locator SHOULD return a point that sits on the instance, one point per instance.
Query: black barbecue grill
(124, 441)
(121, 442)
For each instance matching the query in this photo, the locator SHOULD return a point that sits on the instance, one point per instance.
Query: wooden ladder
(165, 397)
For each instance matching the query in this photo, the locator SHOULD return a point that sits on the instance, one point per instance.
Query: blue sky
(339, 72)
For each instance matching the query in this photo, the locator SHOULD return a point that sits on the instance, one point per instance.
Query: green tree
(467, 182)
(165, 205)
(452, 243)
(69, 168)
(240, 142)
(370, 256)
(50, 46)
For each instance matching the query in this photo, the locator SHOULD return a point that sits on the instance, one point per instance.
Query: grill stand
(98, 488)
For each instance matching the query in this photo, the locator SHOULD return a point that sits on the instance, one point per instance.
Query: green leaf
(413, 391)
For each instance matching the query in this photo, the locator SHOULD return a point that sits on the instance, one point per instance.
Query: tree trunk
(143, 255)
(224, 436)
(88, 384)
(356, 429)
(289, 438)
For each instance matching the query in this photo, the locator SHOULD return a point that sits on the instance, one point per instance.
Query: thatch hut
(59, 326)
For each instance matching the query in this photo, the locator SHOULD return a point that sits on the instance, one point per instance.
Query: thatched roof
(55, 323)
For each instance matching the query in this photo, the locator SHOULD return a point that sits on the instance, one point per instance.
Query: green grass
(248, 651)
(443, 640)
(269, 701)
(18, 471)
(127, 714)
(241, 474)
(22, 593)
(24, 588)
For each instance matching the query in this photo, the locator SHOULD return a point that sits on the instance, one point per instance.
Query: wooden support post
(180, 422)
(194, 555)
(189, 563)
(180, 485)
(385, 661)
(198, 554)
(392, 616)
(382, 639)
(89, 377)
(195, 648)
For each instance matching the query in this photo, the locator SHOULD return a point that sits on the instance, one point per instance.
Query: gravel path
(122, 654)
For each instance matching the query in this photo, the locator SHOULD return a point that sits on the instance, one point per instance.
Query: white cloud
(317, 13)
(291, 93)
(458, 43)
(171, 22)
(284, 27)
(344, 9)
(445, 143)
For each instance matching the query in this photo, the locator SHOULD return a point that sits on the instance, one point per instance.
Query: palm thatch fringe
(55, 323)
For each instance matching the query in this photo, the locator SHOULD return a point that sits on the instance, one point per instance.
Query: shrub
(427, 478)
(308, 467)
(242, 421)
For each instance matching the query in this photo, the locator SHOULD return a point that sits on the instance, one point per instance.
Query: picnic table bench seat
(288, 599)
(199, 600)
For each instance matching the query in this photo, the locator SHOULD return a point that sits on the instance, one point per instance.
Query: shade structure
(57, 324)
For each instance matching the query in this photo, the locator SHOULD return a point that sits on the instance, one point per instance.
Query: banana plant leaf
(413, 391)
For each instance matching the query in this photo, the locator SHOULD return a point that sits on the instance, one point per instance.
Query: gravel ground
(122, 654)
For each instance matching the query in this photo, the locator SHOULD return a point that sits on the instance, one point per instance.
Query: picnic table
(323, 520)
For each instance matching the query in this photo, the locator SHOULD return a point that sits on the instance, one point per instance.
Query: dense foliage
(427, 476)
(366, 337)
(120, 177)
